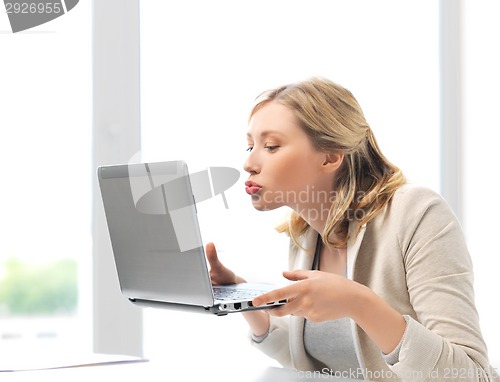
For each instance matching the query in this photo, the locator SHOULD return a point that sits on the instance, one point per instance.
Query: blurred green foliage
(28, 289)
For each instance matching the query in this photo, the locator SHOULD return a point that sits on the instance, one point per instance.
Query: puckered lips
(252, 188)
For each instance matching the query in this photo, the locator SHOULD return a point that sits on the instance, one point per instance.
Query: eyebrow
(265, 133)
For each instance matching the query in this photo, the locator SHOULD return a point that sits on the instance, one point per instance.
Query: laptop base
(215, 310)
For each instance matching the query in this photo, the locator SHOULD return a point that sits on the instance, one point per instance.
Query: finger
(297, 275)
(291, 307)
(275, 295)
(212, 257)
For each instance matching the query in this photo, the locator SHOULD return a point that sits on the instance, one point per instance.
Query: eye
(249, 148)
(272, 148)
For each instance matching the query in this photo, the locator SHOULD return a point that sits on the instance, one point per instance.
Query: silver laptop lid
(154, 231)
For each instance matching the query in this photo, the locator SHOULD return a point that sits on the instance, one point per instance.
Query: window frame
(117, 324)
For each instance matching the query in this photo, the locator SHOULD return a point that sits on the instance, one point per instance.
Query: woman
(383, 280)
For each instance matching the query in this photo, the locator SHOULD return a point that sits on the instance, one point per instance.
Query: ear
(333, 161)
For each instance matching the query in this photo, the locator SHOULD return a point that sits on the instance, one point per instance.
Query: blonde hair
(334, 121)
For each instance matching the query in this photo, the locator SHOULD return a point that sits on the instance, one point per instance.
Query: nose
(251, 165)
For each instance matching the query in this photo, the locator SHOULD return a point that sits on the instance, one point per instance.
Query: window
(202, 64)
(45, 250)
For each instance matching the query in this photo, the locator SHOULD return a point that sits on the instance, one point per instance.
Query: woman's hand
(219, 274)
(320, 296)
(317, 296)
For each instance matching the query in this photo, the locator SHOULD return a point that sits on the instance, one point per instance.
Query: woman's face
(285, 169)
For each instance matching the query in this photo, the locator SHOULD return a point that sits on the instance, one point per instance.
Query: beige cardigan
(414, 256)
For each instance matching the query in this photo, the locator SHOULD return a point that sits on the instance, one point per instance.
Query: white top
(330, 343)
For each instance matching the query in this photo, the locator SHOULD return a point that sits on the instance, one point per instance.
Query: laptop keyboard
(225, 294)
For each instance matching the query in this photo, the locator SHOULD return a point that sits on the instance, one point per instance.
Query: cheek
(293, 172)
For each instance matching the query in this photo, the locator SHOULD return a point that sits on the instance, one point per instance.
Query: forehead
(273, 117)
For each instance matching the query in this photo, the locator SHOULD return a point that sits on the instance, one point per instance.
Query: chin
(262, 208)
(259, 205)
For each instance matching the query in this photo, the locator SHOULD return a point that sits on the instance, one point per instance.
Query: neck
(314, 206)
(315, 215)
(318, 224)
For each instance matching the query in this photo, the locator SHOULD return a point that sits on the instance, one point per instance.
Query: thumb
(296, 275)
(211, 253)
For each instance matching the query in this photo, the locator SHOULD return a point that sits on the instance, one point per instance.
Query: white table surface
(124, 369)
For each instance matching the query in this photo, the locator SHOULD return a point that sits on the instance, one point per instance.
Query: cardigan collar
(305, 255)
(304, 260)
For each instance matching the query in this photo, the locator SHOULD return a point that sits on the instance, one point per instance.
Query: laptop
(160, 259)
